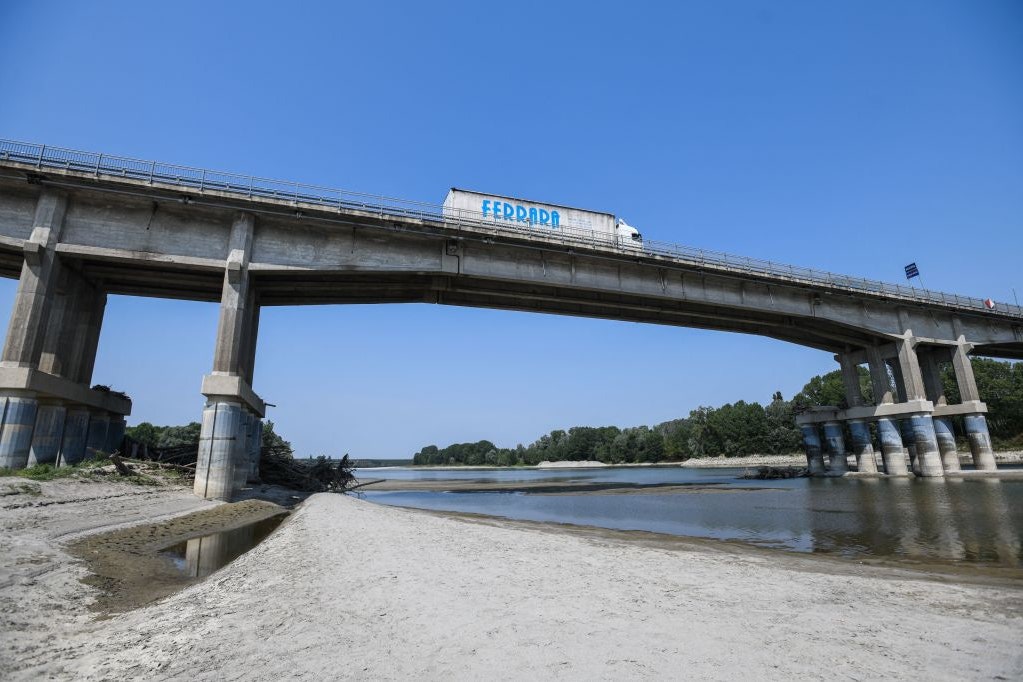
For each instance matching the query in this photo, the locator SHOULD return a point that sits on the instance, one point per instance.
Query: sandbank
(349, 589)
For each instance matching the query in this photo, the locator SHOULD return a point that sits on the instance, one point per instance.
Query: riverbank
(721, 462)
(349, 589)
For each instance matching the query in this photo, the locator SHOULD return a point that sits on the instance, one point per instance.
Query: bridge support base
(928, 457)
(812, 444)
(44, 429)
(76, 431)
(231, 437)
(47, 435)
(980, 442)
(19, 418)
(947, 444)
(836, 448)
(866, 463)
(909, 445)
(892, 452)
(229, 449)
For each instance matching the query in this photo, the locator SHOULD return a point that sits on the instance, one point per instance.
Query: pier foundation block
(866, 462)
(893, 453)
(947, 444)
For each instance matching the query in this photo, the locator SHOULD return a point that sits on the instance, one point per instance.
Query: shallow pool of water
(199, 557)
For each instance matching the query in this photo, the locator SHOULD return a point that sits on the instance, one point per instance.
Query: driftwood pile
(320, 475)
(276, 466)
(774, 473)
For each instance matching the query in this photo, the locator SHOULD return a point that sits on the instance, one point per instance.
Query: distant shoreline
(721, 462)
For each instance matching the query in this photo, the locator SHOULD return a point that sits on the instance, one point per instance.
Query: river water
(955, 520)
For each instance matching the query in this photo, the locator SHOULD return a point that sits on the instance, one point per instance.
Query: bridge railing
(154, 172)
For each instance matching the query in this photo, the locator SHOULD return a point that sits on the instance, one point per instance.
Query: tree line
(732, 430)
(175, 436)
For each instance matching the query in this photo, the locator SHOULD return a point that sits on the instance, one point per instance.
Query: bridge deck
(27, 157)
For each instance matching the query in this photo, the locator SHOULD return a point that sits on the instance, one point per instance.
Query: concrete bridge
(77, 226)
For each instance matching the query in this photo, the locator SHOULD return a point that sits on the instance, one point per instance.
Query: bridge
(77, 226)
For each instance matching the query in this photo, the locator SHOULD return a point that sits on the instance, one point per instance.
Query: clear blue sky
(851, 136)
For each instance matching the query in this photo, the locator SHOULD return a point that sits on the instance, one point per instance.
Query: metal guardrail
(247, 186)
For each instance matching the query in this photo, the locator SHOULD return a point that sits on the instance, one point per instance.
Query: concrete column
(90, 324)
(862, 447)
(16, 427)
(909, 445)
(215, 469)
(115, 433)
(927, 454)
(72, 335)
(910, 377)
(980, 442)
(930, 369)
(47, 435)
(36, 286)
(251, 336)
(851, 380)
(946, 443)
(61, 310)
(964, 373)
(812, 443)
(976, 424)
(835, 443)
(225, 443)
(255, 447)
(235, 323)
(880, 383)
(892, 453)
(240, 452)
(76, 433)
(96, 441)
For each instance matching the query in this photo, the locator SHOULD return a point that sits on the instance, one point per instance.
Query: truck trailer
(462, 204)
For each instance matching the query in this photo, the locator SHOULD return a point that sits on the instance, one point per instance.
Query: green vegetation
(732, 430)
(88, 469)
(176, 436)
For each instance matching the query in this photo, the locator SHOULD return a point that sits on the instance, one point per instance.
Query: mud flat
(349, 589)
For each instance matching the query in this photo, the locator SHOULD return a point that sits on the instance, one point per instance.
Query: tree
(144, 433)
(271, 439)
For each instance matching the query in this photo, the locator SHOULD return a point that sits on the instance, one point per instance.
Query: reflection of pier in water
(199, 557)
(954, 520)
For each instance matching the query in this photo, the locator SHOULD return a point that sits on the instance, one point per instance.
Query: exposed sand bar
(349, 589)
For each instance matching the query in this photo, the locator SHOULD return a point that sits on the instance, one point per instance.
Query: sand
(349, 589)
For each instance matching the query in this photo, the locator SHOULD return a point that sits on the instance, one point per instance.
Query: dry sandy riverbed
(346, 588)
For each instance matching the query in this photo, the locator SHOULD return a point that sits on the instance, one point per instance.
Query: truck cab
(627, 236)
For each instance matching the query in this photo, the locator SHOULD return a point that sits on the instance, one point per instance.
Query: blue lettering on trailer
(502, 210)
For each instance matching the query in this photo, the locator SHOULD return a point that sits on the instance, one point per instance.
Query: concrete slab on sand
(347, 588)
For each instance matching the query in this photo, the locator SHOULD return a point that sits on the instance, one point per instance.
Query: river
(954, 520)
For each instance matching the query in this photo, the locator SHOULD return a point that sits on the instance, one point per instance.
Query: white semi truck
(462, 204)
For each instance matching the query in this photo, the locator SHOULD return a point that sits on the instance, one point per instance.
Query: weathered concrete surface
(147, 239)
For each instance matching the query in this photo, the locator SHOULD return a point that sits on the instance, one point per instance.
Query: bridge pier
(835, 445)
(232, 418)
(973, 415)
(49, 354)
(980, 442)
(862, 446)
(812, 444)
(947, 444)
(893, 454)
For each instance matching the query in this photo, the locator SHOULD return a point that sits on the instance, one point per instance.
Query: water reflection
(199, 557)
(954, 520)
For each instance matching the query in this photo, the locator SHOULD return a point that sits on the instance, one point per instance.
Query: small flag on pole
(912, 271)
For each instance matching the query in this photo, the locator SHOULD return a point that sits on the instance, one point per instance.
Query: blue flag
(912, 271)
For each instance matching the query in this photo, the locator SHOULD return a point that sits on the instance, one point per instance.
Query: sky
(854, 137)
